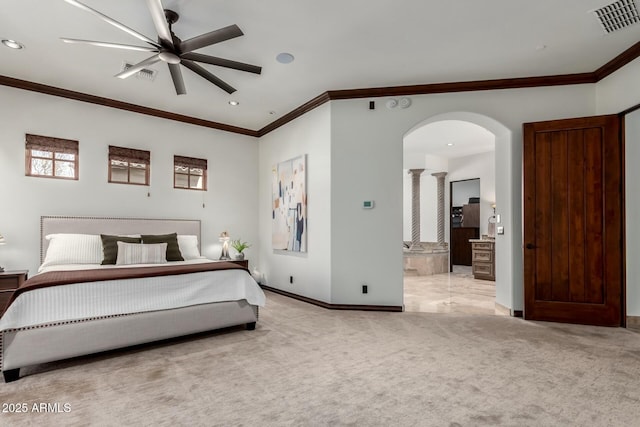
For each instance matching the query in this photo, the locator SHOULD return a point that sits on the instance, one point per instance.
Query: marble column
(440, 177)
(415, 207)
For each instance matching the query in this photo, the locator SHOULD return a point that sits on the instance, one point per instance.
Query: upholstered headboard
(97, 225)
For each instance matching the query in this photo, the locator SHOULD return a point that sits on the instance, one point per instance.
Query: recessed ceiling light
(234, 103)
(284, 58)
(450, 144)
(12, 44)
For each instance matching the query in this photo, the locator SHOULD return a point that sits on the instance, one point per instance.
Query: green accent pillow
(110, 246)
(173, 250)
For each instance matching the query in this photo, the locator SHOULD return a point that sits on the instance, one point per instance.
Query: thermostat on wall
(367, 204)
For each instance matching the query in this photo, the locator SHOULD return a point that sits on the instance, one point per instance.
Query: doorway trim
(450, 216)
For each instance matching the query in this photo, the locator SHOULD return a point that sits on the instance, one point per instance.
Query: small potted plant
(239, 246)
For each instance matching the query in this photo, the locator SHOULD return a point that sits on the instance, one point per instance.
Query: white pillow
(138, 253)
(189, 246)
(73, 249)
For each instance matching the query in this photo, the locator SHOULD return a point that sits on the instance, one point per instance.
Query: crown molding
(471, 86)
(477, 85)
(618, 62)
(304, 108)
(112, 103)
(431, 88)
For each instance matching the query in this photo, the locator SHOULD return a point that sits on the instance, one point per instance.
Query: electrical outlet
(365, 289)
(290, 279)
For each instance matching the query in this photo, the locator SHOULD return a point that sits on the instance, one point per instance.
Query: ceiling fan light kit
(170, 49)
(12, 44)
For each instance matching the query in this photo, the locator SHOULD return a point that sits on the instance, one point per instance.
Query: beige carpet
(307, 366)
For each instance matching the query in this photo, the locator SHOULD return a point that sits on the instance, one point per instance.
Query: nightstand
(9, 282)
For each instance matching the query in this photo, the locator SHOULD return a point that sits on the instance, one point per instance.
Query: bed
(73, 308)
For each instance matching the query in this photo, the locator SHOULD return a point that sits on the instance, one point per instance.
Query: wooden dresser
(483, 259)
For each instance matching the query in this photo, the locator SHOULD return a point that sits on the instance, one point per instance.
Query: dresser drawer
(4, 298)
(10, 280)
(488, 246)
(482, 256)
(482, 269)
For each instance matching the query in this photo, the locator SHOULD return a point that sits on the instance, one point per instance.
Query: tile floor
(456, 292)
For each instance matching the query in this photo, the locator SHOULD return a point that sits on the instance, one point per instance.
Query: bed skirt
(31, 346)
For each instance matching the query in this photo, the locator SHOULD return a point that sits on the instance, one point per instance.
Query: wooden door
(573, 221)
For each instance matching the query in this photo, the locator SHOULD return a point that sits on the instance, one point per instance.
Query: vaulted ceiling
(337, 45)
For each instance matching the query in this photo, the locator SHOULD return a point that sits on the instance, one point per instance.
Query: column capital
(439, 174)
(415, 171)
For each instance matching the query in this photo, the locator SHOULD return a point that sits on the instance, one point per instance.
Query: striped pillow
(72, 249)
(173, 250)
(110, 247)
(137, 253)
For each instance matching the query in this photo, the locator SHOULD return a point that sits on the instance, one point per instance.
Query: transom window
(51, 157)
(190, 173)
(129, 166)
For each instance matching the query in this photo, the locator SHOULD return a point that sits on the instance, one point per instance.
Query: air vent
(617, 15)
(144, 74)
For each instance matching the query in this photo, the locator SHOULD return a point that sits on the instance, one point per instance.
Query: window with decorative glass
(51, 157)
(129, 166)
(189, 173)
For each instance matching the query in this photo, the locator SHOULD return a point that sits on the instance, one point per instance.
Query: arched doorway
(499, 193)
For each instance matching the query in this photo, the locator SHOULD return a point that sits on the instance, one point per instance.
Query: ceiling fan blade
(213, 37)
(160, 21)
(137, 67)
(227, 63)
(113, 22)
(207, 75)
(107, 44)
(178, 82)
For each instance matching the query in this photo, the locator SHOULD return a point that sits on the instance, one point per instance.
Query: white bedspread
(96, 299)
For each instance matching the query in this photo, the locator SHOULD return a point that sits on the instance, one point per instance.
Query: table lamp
(224, 238)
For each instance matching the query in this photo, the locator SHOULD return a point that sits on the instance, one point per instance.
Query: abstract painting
(289, 205)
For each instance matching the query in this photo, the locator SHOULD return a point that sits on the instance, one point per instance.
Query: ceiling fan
(170, 49)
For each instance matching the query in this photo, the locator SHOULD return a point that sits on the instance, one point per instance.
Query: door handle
(530, 246)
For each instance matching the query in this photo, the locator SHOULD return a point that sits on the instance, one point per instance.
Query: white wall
(366, 163)
(632, 207)
(477, 166)
(310, 135)
(614, 94)
(620, 90)
(230, 203)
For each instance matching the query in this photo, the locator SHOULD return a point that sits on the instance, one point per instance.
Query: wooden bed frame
(77, 338)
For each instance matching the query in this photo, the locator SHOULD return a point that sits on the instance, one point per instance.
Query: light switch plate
(498, 219)
(500, 230)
